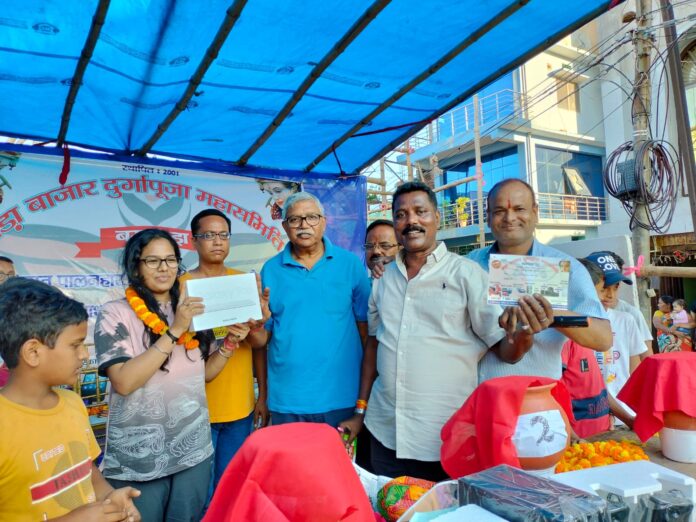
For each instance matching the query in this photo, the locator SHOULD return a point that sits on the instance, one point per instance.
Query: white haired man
(318, 322)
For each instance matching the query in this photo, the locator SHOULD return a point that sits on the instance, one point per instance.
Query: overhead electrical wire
(650, 200)
(663, 154)
(625, 181)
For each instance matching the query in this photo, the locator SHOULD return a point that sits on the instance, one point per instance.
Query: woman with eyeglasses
(158, 435)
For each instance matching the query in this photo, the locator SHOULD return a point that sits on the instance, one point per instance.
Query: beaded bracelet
(360, 407)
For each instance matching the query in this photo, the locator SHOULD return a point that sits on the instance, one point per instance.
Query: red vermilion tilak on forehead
(509, 204)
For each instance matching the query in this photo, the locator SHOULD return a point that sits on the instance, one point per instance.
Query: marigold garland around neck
(153, 321)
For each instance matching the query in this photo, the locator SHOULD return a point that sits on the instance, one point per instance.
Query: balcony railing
(459, 216)
(559, 207)
(492, 108)
(572, 208)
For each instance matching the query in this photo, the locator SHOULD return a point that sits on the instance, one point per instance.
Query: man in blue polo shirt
(512, 216)
(319, 319)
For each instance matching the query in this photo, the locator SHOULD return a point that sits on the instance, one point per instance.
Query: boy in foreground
(47, 446)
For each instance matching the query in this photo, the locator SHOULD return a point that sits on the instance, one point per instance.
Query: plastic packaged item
(633, 482)
(400, 494)
(667, 506)
(371, 482)
(617, 509)
(470, 513)
(519, 496)
(442, 495)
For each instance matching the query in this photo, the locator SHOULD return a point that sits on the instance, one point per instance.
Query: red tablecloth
(479, 435)
(662, 382)
(291, 472)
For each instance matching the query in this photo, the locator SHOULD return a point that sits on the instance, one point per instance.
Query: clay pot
(543, 430)
(678, 420)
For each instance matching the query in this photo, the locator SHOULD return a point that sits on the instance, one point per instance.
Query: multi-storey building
(553, 122)
(535, 125)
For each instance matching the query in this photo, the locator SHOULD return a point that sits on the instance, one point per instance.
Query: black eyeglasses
(382, 246)
(4, 277)
(311, 219)
(209, 236)
(156, 262)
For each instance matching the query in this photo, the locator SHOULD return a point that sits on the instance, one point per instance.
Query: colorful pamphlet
(511, 277)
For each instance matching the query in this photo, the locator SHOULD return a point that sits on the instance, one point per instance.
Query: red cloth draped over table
(479, 435)
(662, 382)
(291, 472)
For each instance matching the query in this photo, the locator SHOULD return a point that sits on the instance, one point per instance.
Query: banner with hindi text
(72, 236)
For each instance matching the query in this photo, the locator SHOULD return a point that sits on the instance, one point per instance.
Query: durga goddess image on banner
(278, 191)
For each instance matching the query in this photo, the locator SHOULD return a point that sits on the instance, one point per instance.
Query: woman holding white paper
(158, 437)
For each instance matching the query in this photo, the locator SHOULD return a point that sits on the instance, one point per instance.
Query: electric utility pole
(641, 126)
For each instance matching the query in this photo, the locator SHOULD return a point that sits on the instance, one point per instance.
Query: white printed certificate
(228, 300)
(511, 277)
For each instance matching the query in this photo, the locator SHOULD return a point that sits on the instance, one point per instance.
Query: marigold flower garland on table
(153, 321)
(585, 455)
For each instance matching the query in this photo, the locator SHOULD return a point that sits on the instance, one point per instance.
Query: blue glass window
(496, 167)
(565, 172)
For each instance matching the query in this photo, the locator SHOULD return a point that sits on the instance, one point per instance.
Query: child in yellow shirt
(47, 446)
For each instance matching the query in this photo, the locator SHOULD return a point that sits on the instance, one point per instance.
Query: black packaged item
(523, 497)
(665, 506)
(617, 509)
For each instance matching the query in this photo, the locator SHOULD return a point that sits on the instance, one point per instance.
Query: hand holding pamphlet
(228, 300)
(512, 277)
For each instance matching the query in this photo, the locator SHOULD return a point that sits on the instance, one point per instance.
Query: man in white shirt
(429, 315)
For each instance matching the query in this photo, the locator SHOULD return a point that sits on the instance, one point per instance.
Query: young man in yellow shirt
(47, 447)
(234, 411)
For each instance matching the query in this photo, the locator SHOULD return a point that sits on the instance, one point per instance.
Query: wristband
(361, 404)
(359, 411)
(169, 334)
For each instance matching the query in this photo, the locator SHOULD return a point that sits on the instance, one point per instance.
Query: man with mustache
(319, 318)
(430, 321)
(512, 218)
(380, 243)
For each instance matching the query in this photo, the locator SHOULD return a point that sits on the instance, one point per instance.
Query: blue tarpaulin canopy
(267, 83)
